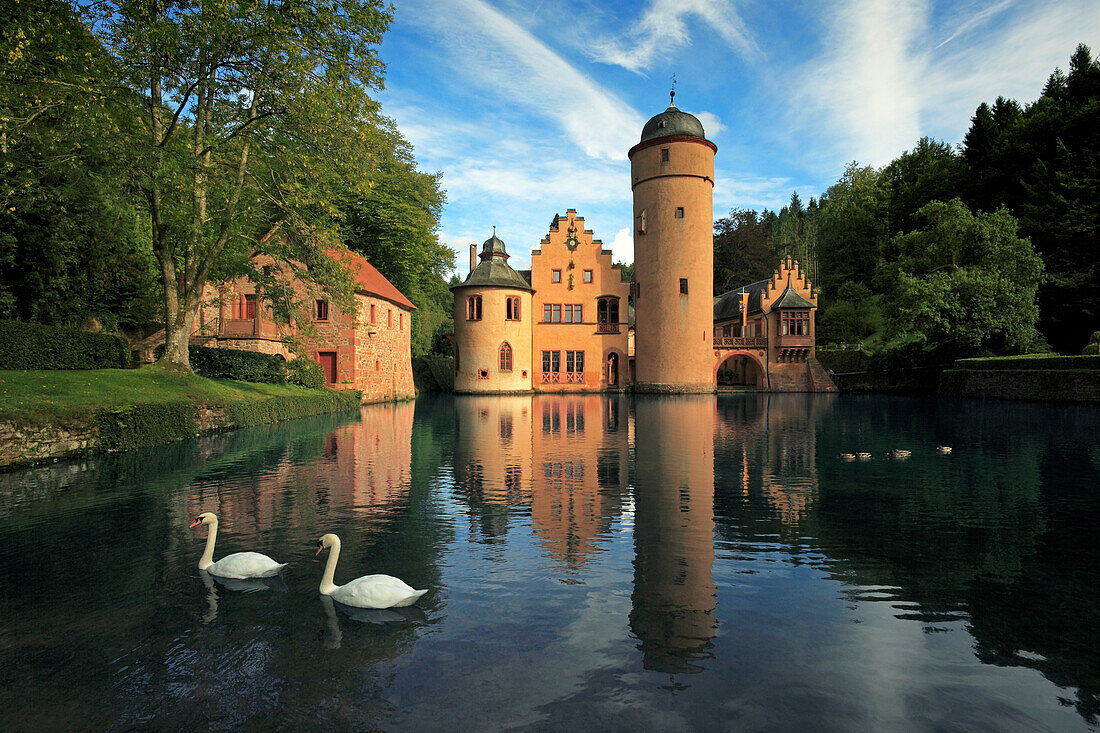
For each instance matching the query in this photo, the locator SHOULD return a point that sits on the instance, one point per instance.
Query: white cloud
(711, 124)
(518, 69)
(663, 28)
(865, 88)
(974, 21)
(622, 246)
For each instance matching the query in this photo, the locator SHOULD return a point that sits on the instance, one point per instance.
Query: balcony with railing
(235, 328)
(740, 342)
(607, 328)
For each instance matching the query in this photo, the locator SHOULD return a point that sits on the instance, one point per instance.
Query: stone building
(571, 323)
(371, 353)
(764, 334)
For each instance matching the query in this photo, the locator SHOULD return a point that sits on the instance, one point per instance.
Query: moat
(594, 562)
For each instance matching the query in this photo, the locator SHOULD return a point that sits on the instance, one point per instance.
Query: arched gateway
(739, 368)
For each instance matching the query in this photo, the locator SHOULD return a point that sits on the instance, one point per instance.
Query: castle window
(547, 312)
(250, 307)
(373, 319)
(574, 362)
(505, 357)
(473, 308)
(607, 315)
(683, 286)
(483, 374)
(557, 313)
(389, 318)
(400, 321)
(511, 308)
(796, 323)
(679, 212)
(664, 155)
(556, 276)
(588, 276)
(320, 310)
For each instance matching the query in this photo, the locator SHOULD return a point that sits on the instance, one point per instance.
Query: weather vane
(672, 94)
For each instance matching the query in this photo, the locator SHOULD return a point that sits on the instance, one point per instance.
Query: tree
(852, 228)
(964, 284)
(744, 251)
(931, 171)
(73, 246)
(395, 225)
(250, 113)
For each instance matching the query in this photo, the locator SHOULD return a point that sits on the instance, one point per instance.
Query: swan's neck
(207, 558)
(327, 586)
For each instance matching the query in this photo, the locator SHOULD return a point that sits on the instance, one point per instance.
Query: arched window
(505, 357)
(607, 315)
(473, 308)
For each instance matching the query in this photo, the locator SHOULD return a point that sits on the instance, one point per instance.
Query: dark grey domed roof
(494, 270)
(493, 246)
(672, 122)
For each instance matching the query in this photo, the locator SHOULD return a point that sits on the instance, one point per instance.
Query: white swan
(368, 591)
(239, 565)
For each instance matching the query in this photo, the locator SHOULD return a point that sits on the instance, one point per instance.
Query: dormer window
(660, 123)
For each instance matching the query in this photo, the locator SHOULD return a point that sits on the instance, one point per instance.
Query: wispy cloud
(975, 20)
(864, 89)
(512, 65)
(663, 27)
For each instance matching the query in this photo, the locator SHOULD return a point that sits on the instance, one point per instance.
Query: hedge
(146, 424)
(259, 412)
(35, 346)
(305, 373)
(244, 366)
(1030, 361)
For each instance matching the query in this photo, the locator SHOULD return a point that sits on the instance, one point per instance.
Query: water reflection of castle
(565, 459)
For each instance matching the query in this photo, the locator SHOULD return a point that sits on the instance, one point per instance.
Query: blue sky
(529, 108)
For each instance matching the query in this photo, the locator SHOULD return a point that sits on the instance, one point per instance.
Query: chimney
(473, 257)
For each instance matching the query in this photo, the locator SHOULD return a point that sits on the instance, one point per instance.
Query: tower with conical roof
(672, 177)
(492, 336)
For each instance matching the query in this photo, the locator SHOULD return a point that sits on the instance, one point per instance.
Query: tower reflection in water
(674, 595)
(564, 458)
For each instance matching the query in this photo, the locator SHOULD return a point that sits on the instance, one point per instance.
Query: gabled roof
(370, 280)
(791, 299)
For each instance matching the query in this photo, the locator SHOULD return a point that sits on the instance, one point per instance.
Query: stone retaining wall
(1065, 385)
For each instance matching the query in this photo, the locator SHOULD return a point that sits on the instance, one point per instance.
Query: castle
(573, 323)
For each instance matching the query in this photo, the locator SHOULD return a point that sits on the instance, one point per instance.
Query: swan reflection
(376, 616)
(237, 585)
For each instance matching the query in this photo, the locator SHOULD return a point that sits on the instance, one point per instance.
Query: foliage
(1093, 345)
(35, 346)
(626, 272)
(395, 225)
(964, 284)
(932, 171)
(852, 228)
(1042, 162)
(853, 315)
(305, 372)
(244, 366)
(120, 428)
(1042, 362)
(249, 112)
(72, 244)
(744, 251)
(258, 412)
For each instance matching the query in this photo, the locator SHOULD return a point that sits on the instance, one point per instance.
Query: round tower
(493, 325)
(672, 177)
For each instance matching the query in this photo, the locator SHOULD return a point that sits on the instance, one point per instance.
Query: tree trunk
(177, 337)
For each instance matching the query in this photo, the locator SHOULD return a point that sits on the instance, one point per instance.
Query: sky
(528, 108)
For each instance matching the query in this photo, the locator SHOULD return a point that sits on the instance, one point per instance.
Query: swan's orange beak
(319, 548)
(197, 522)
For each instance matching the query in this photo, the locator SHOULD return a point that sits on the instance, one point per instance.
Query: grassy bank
(38, 397)
(50, 414)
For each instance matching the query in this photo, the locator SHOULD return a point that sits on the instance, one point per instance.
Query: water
(594, 562)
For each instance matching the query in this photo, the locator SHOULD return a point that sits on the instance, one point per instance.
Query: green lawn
(37, 396)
